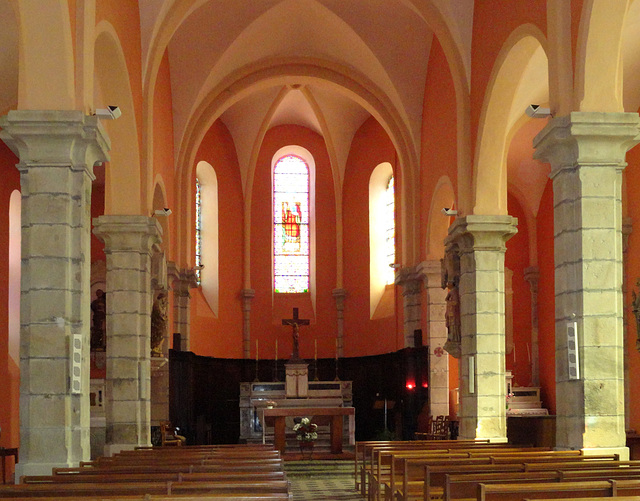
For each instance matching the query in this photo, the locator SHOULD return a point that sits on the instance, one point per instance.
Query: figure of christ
(295, 322)
(453, 320)
(291, 220)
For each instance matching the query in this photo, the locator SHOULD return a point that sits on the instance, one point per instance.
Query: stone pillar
(128, 246)
(247, 298)
(480, 243)
(57, 152)
(532, 276)
(411, 282)
(627, 313)
(340, 295)
(587, 155)
(437, 329)
(182, 284)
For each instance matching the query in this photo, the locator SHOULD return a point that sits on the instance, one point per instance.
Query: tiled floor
(322, 480)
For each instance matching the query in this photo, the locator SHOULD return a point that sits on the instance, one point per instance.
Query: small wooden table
(4, 452)
(320, 415)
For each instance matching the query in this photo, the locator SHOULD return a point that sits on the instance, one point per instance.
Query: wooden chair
(169, 436)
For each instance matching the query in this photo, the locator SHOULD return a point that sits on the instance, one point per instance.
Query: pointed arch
(113, 86)
(599, 56)
(502, 108)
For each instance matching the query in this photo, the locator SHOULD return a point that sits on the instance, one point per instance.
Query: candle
(256, 350)
(528, 353)
(276, 350)
(316, 350)
(514, 354)
(336, 348)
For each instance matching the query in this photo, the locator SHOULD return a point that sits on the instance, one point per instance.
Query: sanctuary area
(390, 217)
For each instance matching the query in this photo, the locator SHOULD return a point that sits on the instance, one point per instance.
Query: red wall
(222, 336)
(269, 309)
(517, 260)
(546, 301)
(370, 147)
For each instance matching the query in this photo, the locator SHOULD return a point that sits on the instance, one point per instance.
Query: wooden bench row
(461, 482)
(232, 473)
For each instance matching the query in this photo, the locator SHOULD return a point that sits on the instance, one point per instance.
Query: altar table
(319, 415)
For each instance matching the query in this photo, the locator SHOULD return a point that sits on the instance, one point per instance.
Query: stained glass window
(390, 229)
(291, 225)
(198, 231)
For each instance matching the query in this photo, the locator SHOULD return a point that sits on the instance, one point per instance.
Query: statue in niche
(99, 321)
(452, 320)
(635, 307)
(159, 320)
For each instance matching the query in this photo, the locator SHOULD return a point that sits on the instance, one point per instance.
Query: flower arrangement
(305, 430)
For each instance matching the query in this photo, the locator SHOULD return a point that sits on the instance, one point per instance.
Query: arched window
(206, 255)
(15, 237)
(390, 229)
(291, 225)
(382, 240)
(198, 231)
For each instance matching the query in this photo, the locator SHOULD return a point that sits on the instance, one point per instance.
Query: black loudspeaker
(417, 338)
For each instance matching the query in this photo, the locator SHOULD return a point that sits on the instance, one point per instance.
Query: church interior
(430, 205)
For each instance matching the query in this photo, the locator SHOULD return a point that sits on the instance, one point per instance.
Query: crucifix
(295, 322)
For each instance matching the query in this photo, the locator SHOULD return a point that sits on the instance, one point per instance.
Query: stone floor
(315, 480)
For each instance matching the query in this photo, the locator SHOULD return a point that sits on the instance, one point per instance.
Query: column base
(623, 452)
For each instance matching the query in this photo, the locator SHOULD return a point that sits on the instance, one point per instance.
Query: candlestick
(336, 348)
(256, 350)
(315, 353)
(528, 353)
(276, 350)
(514, 354)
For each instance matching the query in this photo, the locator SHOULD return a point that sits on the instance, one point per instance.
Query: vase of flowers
(306, 435)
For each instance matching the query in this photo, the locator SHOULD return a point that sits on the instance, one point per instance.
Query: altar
(276, 417)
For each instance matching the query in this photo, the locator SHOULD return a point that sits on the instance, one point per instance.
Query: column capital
(128, 233)
(481, 232)
(587, 138)
(432, 272)
(55, 138)
(410, 279)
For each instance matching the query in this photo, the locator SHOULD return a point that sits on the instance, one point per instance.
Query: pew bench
(111, 488)
(422, 479)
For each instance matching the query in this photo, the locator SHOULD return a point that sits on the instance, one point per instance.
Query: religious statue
(635, 306)
(296, 343)
(158, 324)
(99, 321)
(295, 322)
(452, 320)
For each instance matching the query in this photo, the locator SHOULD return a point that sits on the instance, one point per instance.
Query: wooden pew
(395, 461)
(520, 491)
(418, 482)
(63, 489)
(459, 487)
(148, 497)
(158, 477)
(363, 450)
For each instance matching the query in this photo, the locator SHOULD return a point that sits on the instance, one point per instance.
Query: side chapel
(445, 192)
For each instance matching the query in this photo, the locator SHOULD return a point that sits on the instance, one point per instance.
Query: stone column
(587, 155)
(532, 275)
(411, 282)
(627, 313)
(480, 243)
(340, 295)
(247, 298)
(128, 246)
(437, 329)
(57, 152)
(183, 283)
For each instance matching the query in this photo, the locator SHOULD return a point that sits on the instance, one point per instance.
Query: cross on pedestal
(295, 322)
